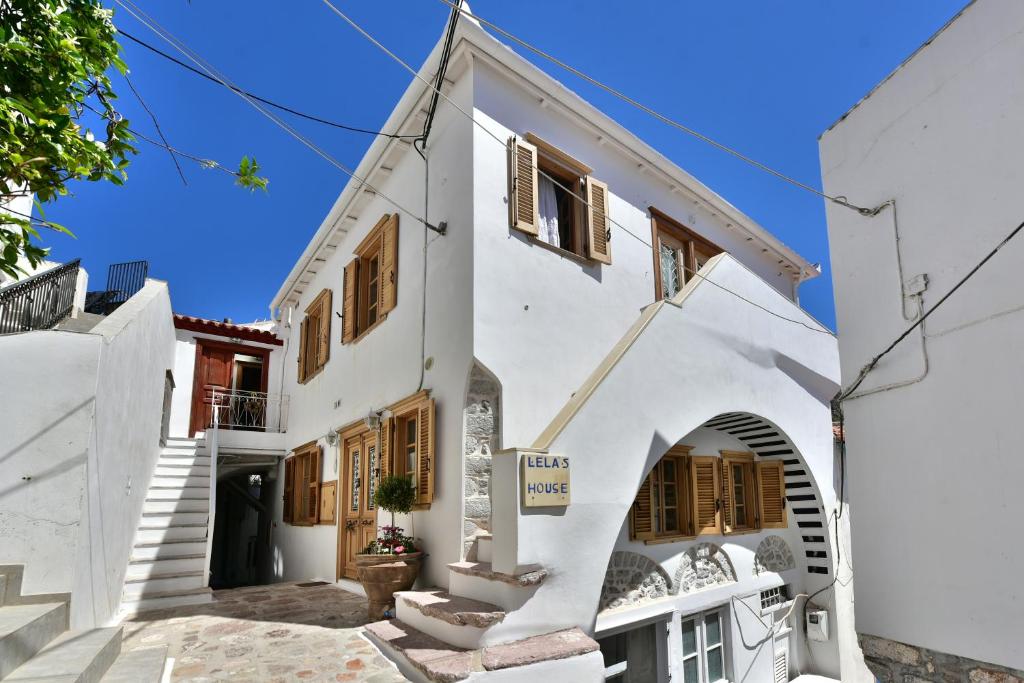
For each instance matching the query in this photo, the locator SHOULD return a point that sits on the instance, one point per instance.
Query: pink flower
(399, 549)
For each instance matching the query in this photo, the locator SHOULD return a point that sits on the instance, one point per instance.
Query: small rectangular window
(678, 254)
(408, 450)
(774, 596)
(703, 647)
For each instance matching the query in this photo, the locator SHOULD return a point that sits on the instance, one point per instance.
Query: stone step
(161, 520)
(179, 493)
(179, 449)
(191, 532)
(74, 657)
(175, 459)
(163, 470)
(158, 584)
(26, 629)
(176, 506)
(569, 654)
(169, 551)
(416, 652)
(484, 544)
(479, 581)
(155, 601)
(145, 665)
(144, 569)
(179, 481)
(454, 619)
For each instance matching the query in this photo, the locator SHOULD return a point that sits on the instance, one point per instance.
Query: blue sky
(763, 77)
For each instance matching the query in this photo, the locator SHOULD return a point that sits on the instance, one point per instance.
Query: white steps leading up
(478, 580)
(26, 629)
(74, 656)
(168, 563)
(144, 664)
(456, 620)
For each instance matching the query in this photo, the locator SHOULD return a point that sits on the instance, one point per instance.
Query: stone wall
(480, 425)
(702, 566)
(773, 555)
(894, 662)
(632, 578)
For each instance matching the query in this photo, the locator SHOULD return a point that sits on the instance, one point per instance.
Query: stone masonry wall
(480, 423)
(894, 662)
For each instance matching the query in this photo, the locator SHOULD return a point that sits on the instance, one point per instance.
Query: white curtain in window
(548, 228)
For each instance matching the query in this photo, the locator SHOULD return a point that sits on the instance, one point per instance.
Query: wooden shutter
(302, 349)
(727, 501)
(598, 226)
(289, 483)
(389, 266)
(384, 455)
(323, 352)
(425, 460)
(348, 313)
(642, 513)
(522, 193)
(314, 456)
(704, 473)
(771, 495)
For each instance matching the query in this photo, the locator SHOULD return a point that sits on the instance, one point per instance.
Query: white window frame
(700, 630)
(662, 629)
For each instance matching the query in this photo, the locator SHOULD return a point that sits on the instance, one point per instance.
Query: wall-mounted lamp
(372, 421)
(332, 438)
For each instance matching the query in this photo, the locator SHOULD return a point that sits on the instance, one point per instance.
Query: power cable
(841, 201)
(310, 117)
(540, 171)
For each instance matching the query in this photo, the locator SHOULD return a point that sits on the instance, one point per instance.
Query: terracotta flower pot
(384, 575)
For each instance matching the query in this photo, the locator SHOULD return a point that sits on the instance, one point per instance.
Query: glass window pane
(355, 481)
(713, 629)
(669, 271)
(690, 674)
(715, 669)
(671, 520)
(689, 629)
(371, 489)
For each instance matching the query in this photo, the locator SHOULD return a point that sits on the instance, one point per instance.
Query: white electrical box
(817, 625)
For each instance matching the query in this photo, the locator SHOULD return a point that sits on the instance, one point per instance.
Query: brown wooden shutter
(289, 483)
(324, 346)
(384, 455)
(642, 513)
(704, 473)
(522, 193)
(425, 460)
(727, 501)
(348, 313)
(771, 495)
(598, 225)
(389, 266)
(315, 455)
(302, 349)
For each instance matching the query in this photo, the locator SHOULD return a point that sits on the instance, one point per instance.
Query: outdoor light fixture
(332, 438)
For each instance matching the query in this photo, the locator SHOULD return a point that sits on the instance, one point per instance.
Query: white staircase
(167, 567)
(36, 645)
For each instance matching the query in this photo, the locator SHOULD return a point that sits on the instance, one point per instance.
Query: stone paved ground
(279, 632)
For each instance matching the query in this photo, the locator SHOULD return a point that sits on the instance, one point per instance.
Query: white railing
(213, 441)
(255, 411)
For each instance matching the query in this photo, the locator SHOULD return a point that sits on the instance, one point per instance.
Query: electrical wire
(540, 171)
(32, 219)
(295, 112)
(840, 200)
(168, 37)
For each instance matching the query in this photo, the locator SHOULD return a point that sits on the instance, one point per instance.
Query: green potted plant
(391, 562)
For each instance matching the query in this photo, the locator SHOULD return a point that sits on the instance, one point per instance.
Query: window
(688, 495)
(315, 337)
(703, 647)
(371, 280)
(407, 444)
(633, 656)
(302, 485)
(678, 254)
(774, 596)
(553, 198)
(165, 416)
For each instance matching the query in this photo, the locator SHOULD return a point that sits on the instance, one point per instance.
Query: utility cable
(264, 100)
(554, 180)
(841, 201)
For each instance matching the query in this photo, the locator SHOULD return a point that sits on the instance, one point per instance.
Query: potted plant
(391, 562)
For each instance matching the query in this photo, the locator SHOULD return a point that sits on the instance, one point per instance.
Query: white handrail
(214, 447)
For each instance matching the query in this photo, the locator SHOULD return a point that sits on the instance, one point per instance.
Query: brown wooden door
(213, 371)
(358, 517)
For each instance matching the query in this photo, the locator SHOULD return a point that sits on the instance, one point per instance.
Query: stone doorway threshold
(280, 632)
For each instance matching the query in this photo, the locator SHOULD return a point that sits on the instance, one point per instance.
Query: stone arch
(773, 555)
(632, 578)
(702, 566)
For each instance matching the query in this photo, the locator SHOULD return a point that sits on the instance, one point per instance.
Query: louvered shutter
(704, 474)
(425, 460)
(389, 266)
(599, 227)
(314, 456)
(302, 349)
(642, 513)
(781, 667)
(727, 501)
(348, 313)
(323, 352)
(289, 483)
(384, 453)
(522, 193)
(771, 495)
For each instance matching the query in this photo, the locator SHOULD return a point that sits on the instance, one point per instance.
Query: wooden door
(358, 517)
(213, 371)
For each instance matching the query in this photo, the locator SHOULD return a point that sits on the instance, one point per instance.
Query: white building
(649, 336)
(936, 516)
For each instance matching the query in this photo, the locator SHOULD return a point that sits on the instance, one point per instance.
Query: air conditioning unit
(817, 625)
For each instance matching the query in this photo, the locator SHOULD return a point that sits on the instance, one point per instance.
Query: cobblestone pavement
(280, 632)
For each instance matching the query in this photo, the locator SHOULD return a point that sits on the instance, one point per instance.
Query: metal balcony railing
(255, 411)
(39, 302)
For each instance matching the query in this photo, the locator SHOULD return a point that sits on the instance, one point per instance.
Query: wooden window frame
(302, 485)
(694, 244)
(680, 457)
(744, 460)
(376, 248)
(699, 620)
(314, 336)
(421, 410)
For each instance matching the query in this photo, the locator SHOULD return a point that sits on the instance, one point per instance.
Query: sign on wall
(544, 480)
